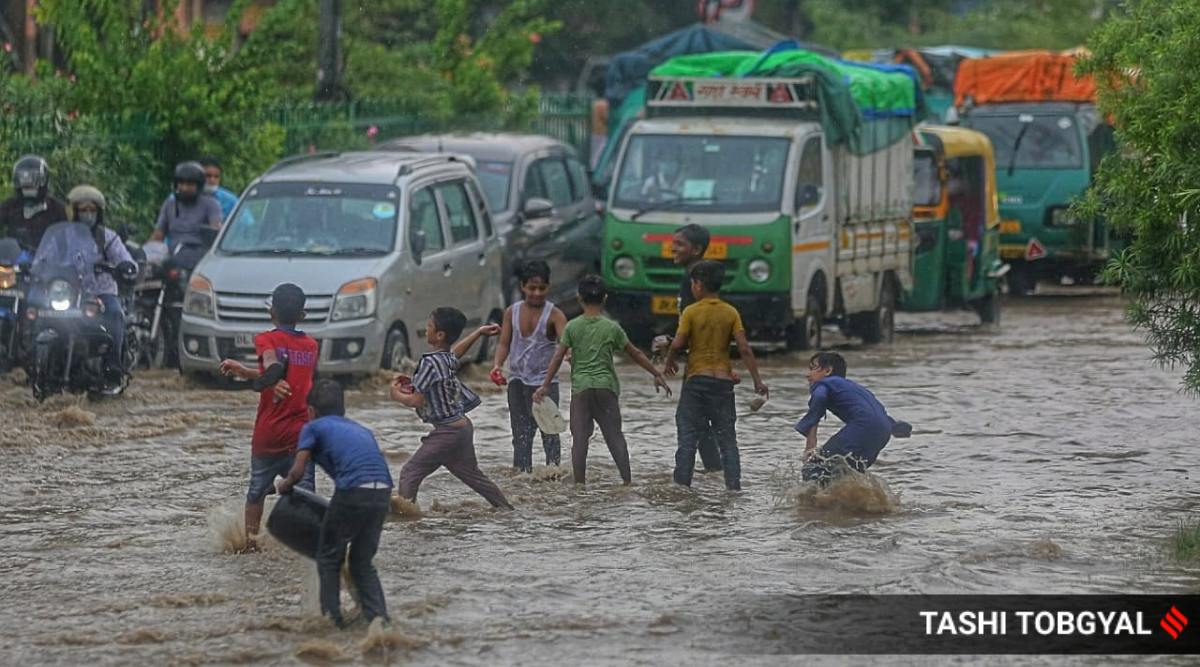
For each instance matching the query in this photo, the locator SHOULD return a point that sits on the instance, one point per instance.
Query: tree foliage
(1146, 59)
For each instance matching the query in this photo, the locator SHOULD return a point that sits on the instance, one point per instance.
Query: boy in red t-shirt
(287, 360)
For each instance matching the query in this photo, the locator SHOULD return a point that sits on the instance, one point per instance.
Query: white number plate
(244, 340)
(10, 293)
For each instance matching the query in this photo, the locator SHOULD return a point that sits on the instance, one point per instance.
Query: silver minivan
(376, 241)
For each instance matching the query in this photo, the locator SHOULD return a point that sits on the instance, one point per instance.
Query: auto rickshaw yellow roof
(960, 141)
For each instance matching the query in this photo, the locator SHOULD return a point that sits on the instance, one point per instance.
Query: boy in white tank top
(528, 338)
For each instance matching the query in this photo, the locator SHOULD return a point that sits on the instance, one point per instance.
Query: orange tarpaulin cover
(1022, 76)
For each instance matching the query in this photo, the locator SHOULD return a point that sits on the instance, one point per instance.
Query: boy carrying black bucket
(362, 484)
(287, 360)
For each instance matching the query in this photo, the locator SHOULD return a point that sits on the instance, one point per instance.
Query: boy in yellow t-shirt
(706, 330)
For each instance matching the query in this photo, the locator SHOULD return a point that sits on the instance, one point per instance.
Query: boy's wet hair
(449, 321)
(831, 360)
(327, 398)
(592, 290)
(709, 274)
(534, 268)
(287, 302)
(695, 235)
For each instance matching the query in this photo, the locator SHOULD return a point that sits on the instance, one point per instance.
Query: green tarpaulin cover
(867, 107)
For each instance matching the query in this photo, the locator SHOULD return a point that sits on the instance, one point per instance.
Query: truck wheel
(395, 351)
(988, 308)
(1021, 279)
(805, 333)
(879, 325)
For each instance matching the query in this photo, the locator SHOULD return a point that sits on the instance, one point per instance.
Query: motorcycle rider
(213, 187)
(26, 215)
(86, 205)
(189, 217)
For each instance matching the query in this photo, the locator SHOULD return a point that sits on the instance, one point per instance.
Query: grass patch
(1185, 544)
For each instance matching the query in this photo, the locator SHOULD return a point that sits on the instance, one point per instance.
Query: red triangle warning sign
(1035, 250)
(678, 92)
(780, 94)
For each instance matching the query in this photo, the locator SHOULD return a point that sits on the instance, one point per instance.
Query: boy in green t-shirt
(592, 339)
(707, 328)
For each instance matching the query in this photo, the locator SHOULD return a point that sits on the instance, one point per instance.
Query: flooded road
(1050, 455)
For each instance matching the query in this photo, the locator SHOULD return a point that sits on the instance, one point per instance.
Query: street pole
(329, 70)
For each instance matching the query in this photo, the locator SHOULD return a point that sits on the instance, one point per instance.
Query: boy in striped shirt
(441, 400)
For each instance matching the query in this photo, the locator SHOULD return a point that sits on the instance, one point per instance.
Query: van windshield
(702, 173)
(312, 219)
(1038, 141)
(496, 178)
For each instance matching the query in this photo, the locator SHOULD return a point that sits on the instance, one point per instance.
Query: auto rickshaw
(956, 218)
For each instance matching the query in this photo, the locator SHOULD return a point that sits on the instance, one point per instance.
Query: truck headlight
(1062, 217)
(624, 267)
(759, 271)
(199, 299)
(59, 295)
(355, 300)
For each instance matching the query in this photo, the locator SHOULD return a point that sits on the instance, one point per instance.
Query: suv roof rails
(408, 167)
(302, 157)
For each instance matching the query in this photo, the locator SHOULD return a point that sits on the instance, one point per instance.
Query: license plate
(716, 250)
(10, 293)
(1010, 226)
(244, 340)
(664, 305)
(58, 314)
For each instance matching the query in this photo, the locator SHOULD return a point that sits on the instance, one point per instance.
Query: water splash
(852, 492)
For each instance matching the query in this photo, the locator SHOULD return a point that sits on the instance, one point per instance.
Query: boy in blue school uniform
(348, 452)
(868, 427)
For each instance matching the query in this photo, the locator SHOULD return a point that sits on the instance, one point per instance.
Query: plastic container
(296, 521)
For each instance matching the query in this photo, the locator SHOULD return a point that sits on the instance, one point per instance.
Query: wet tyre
(805, 333)
(395, 351)
(879, 325)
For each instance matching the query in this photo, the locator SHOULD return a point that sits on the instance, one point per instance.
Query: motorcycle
(70, 338)
(14, 271)
(176, 271)
(149, 299)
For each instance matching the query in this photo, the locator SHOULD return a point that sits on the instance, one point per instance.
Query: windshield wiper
(669, 204)
(353, 251)
(1012, 161)
(267, 251)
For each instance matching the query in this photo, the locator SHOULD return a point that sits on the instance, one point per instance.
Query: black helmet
(31, 178)
(189, 172)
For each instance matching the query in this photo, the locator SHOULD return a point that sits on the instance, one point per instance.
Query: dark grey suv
(541, 199)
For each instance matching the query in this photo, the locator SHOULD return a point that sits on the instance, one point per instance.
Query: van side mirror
(807, 195)
(536, 207)
(416, 240)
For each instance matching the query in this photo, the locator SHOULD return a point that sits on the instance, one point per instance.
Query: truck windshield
(702, 174)
(313, 219)
(1039, 141)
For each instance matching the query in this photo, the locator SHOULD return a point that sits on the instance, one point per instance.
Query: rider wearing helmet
(189, 217)
(28, 214)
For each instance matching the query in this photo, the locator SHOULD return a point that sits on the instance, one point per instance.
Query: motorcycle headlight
(59, 295)
(199, 299)
(624, 268)
(759, 270)
(8, 277)
(355, 300)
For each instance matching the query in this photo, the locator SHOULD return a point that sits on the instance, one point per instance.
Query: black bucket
(296, 521)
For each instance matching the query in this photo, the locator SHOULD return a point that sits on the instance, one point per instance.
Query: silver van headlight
(355, 300)
(59, 295)
(759, 271)
(199, 299)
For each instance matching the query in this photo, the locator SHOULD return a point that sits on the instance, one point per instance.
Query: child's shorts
(264, 470)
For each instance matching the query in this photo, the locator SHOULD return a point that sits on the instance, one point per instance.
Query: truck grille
(662, 272)
(244, 307)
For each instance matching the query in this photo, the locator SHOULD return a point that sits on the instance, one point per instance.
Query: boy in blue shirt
(868, 428)
(348, 452)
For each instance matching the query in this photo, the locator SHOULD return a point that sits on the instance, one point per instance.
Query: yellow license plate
(716, 250)
(664, 305)
(1010, 226)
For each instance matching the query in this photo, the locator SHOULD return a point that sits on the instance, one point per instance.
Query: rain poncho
(69, 251)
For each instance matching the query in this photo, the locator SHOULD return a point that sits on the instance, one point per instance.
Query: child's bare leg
(253, 519)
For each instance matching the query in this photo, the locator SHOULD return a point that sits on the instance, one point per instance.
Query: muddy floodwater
(1049, 455)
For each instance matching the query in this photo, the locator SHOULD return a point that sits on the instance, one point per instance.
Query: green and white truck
(800, 167)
